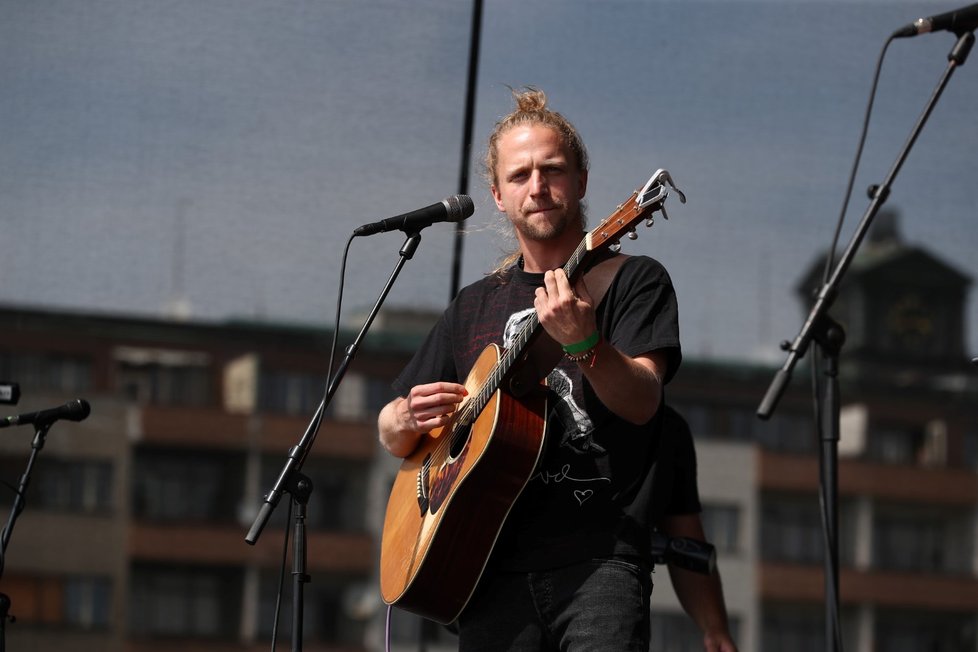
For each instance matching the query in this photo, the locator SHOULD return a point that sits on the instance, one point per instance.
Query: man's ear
(582, 185)
(497, 197)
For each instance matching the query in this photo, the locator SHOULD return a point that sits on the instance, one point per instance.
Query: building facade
(133, 536)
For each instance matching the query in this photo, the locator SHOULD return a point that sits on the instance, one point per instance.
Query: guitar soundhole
(460, 437)
(447, 474)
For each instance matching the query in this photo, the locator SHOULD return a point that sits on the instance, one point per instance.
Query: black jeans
(596, 606)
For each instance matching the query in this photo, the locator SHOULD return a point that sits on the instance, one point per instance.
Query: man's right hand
(426, 407)
(430, 406)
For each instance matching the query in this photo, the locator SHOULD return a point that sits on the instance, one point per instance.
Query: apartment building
(133, 536)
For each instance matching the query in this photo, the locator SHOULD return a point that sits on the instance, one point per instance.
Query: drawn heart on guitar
(582, 496)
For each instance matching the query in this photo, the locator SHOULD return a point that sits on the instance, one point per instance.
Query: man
(701, 596)
(570, 569)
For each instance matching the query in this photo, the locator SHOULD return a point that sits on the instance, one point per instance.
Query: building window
(80, 486)
(338, 501)
(677, 632)
(905, 539)
(735, 423)
(176, 486)
(791, 529)
(970, 450)
(721, 524)
(358, 397)
(48, 372)
(379, 394)
(75, 485)
(800, 627)
(184, 602)
(912, 631)
(329, 615)
(158, 384)
(76, 601)
(87, 602)
(698, 418)
(164, 376)
(895, 444)
(291, 392)
(725, 422)
(788, 432)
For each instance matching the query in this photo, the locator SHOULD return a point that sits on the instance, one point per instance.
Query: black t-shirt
(590, 494)
(675, 483)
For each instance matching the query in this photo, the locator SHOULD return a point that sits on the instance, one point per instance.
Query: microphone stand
(829, 337)
(301, 487)
(20, 502)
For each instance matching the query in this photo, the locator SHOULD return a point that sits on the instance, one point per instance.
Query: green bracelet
(583, 345)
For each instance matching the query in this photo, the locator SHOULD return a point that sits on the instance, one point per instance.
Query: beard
(558, 222)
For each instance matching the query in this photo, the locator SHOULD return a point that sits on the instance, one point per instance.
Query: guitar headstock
(641, 205)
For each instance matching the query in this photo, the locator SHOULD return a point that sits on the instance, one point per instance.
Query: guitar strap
(600, 276)
(544, 354)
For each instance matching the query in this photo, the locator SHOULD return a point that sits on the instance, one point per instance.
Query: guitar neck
(523, 339)
(640, 205)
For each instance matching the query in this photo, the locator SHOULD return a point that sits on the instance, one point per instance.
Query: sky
(219, 153)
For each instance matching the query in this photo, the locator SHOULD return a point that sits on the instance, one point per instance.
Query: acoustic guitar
(451, 496)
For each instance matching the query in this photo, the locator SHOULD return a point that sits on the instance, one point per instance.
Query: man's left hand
(565, 313)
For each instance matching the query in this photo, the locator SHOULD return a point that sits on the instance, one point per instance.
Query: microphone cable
(315, 431)
(831, 550)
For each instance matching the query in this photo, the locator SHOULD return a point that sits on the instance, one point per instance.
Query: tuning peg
(649, 222)
(615, 246)
(631, 235)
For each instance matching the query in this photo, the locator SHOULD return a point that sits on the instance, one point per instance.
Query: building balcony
(214, 428)
(938, 486)
(806, 583)
(337, 552)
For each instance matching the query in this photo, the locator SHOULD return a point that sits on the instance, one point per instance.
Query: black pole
(818, 327)
(463, 179)
(300, 487)
(20, 501)
(830, 337)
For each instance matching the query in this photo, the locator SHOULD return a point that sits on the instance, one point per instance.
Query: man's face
(538, 184)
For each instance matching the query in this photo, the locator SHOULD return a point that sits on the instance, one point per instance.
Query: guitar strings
(468, 413)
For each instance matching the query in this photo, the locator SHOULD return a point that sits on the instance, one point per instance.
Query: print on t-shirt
(566, 416)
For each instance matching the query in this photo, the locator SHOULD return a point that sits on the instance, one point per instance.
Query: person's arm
(426, 407)
(629, 387)
(701, 596)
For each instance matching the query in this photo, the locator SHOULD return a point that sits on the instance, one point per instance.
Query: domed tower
(901, 307)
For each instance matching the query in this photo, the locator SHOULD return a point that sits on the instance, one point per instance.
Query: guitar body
(451, 497)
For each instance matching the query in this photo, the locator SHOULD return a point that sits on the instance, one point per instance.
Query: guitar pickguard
(432, 492)
(444, 481)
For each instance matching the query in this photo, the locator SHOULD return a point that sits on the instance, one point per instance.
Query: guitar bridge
(424, 500)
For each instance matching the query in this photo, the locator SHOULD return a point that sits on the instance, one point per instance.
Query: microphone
(453, 209)
(76, 410)
(958, 21)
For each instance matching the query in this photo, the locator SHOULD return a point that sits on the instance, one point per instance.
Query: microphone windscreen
(460, 207)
